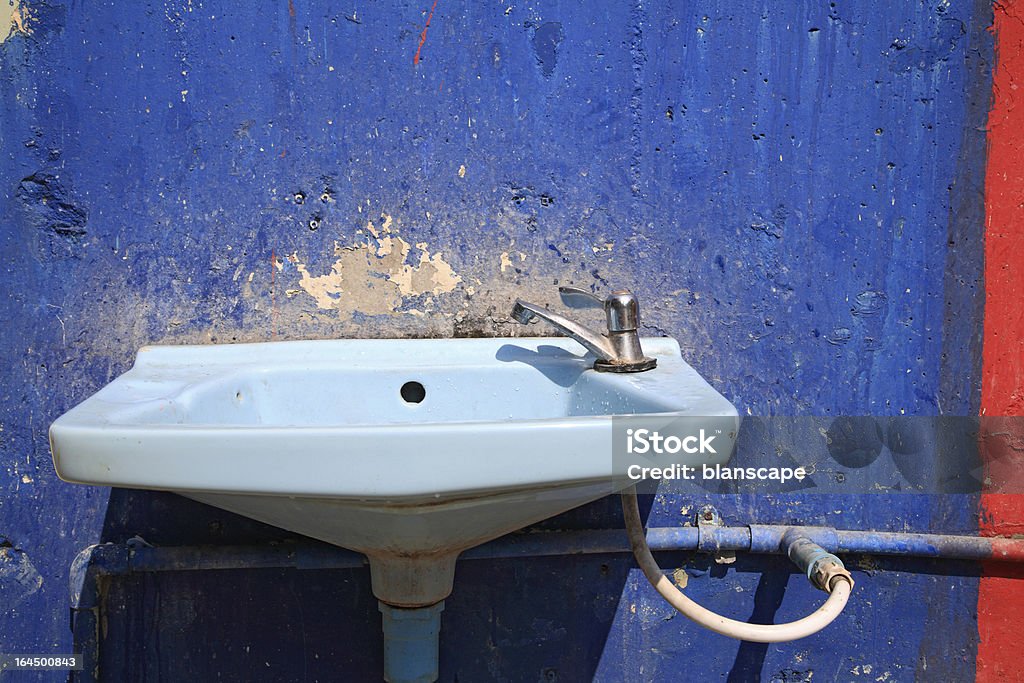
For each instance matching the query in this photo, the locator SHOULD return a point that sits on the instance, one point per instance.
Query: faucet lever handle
(574, 297)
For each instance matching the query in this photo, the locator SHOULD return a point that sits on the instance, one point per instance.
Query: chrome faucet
(618, 349)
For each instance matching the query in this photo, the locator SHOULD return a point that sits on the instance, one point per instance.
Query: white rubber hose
(741, 630)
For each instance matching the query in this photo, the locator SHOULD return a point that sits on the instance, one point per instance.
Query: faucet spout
(595, 342)
(618, 349)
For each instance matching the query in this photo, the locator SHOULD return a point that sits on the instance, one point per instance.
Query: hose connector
(826, 571)
(823, 568)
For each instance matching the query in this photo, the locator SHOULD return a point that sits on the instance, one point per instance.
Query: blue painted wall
(793, 190)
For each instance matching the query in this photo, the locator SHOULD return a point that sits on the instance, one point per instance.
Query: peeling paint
(506, 259)
(376, 276)
(680, 577)
(14, 18)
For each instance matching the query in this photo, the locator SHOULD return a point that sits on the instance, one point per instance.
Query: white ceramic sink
(319, 437)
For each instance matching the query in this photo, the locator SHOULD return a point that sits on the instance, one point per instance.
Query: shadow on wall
(285, 625)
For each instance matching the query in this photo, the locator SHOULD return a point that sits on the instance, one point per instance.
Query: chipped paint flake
(462, 171)
(376, 276)
(506, 259)
(14, 18)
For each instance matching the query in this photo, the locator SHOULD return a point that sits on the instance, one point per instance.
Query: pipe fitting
(821, 566)
(827, 571)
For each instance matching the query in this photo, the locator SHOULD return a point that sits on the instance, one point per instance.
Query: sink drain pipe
(411, 638)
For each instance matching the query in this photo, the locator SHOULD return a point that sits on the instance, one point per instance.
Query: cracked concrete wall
(792, 191)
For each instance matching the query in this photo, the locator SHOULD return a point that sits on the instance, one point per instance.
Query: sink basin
(409, 451)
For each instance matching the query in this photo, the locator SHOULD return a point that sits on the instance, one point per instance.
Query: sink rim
(258, 461)
(162, 373)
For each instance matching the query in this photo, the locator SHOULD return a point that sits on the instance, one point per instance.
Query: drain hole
(413, 392)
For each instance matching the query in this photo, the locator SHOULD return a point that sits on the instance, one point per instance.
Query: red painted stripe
(423, 36)
(1001, 591)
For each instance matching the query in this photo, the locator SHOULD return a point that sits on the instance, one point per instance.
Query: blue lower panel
(596, 619)
(557, 618)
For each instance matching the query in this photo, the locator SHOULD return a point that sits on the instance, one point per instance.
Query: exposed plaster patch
(375, 277)
(506, 259)
(680, 577)
(13, 19)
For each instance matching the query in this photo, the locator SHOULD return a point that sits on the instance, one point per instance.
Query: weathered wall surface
(793, 190)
